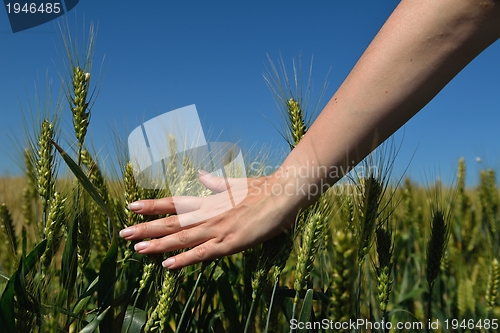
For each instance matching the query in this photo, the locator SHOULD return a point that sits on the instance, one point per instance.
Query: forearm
(420, 48)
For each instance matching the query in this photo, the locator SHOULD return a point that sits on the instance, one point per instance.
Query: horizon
(214, 56)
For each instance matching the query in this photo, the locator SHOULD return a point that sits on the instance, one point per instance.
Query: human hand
(212, 226)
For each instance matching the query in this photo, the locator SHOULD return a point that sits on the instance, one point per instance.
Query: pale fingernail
(127, 232)
(136, 205)
(169, 262)
(205, 174)
(141, 245)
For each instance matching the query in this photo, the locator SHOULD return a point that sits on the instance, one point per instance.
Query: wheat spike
(343, 277)
(385, 264)
(99, 219)
(492, 290)
(311, 241)
(7, 225)
(45, 164)
(79, 105)
(436, 246)
(55, 222)
(158, 318)
(84, 239)
(297, 124)
(369, 212)
(463, 199)
(131, 195)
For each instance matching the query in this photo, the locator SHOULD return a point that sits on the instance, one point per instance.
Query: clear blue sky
(162, 55)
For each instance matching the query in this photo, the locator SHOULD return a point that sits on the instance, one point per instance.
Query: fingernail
(136, 205)
(205, 174)
(169, 262)
(127, 232)
(141, 245)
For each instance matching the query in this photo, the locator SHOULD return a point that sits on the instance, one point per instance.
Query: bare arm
(420, 48)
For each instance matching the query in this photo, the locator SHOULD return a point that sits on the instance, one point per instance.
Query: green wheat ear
(436, 246)
(45, 164)
(55, 224)
(385, 248)
(491, 291)
(463, 199)
(7, 224)
(297, 124)
(131, 195)
(158, 318)
(98, 218)
(372, 193)
(79, 104)
(344, 275)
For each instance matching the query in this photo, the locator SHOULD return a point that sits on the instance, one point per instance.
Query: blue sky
(162, 55)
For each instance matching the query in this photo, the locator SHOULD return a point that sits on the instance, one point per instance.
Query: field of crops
(374, 254)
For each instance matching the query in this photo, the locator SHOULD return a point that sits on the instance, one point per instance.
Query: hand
(212, 226)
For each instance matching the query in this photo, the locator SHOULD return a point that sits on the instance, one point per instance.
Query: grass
(381, 252)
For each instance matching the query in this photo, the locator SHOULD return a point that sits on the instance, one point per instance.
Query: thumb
(218, 184)
(213, 183)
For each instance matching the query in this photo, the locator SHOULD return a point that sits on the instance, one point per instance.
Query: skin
(420, 48)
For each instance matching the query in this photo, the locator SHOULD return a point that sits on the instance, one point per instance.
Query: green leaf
(7, 321)
(186, 312)
(305, 313)
(95, 322)
(105, 289)
(134, 320)
(34, 256)
(69, 262)
(85, 181)
(20, 287)
(276, 282)
(227, 298)
(214, 324)
(85, 298)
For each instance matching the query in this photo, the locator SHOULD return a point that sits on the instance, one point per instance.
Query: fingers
(184, 238)
(169, 205)
(203, 252)
(204, 246)
(157, 228)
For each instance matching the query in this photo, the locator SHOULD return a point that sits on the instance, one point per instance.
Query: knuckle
(169, 223)
(153, 206)
(183, 236)
(200, 252)
(153, 244)
(142, 229)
